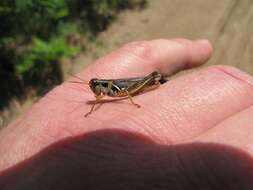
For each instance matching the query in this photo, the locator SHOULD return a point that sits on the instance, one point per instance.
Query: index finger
(143, 57)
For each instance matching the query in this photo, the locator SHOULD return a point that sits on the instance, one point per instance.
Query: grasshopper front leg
(98, 98)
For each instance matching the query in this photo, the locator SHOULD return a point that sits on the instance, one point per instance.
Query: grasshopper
(127, 87)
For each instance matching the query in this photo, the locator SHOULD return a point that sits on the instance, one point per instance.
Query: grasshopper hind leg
(152, 87)
(131, 100)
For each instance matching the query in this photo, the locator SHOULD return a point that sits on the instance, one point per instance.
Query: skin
(193, 132)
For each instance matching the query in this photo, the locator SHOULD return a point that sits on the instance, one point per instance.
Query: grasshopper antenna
(83, 81)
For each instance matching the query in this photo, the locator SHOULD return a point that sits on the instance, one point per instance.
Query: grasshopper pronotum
(127, 87)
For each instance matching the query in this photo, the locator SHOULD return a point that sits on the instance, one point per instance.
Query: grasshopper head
(95, 86)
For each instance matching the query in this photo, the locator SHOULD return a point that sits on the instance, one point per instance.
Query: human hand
(193, 132)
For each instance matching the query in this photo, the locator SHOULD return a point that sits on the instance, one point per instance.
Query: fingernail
(203, 42)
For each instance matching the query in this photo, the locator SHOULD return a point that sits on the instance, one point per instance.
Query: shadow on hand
(114, 159)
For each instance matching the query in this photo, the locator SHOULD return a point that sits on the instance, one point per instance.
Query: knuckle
(140, 49)
(137, 44)
(232, 74)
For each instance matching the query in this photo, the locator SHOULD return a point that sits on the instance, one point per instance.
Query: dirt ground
(227, 24)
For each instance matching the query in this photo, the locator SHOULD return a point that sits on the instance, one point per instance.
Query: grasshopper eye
(93, 82)
(94, 86)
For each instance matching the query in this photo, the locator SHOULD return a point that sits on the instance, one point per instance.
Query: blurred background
(41, 41)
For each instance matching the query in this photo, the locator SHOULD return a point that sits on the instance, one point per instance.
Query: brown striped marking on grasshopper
(127, 87)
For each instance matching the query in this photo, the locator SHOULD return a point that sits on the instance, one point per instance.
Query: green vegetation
(36, 34)
(42, 52)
